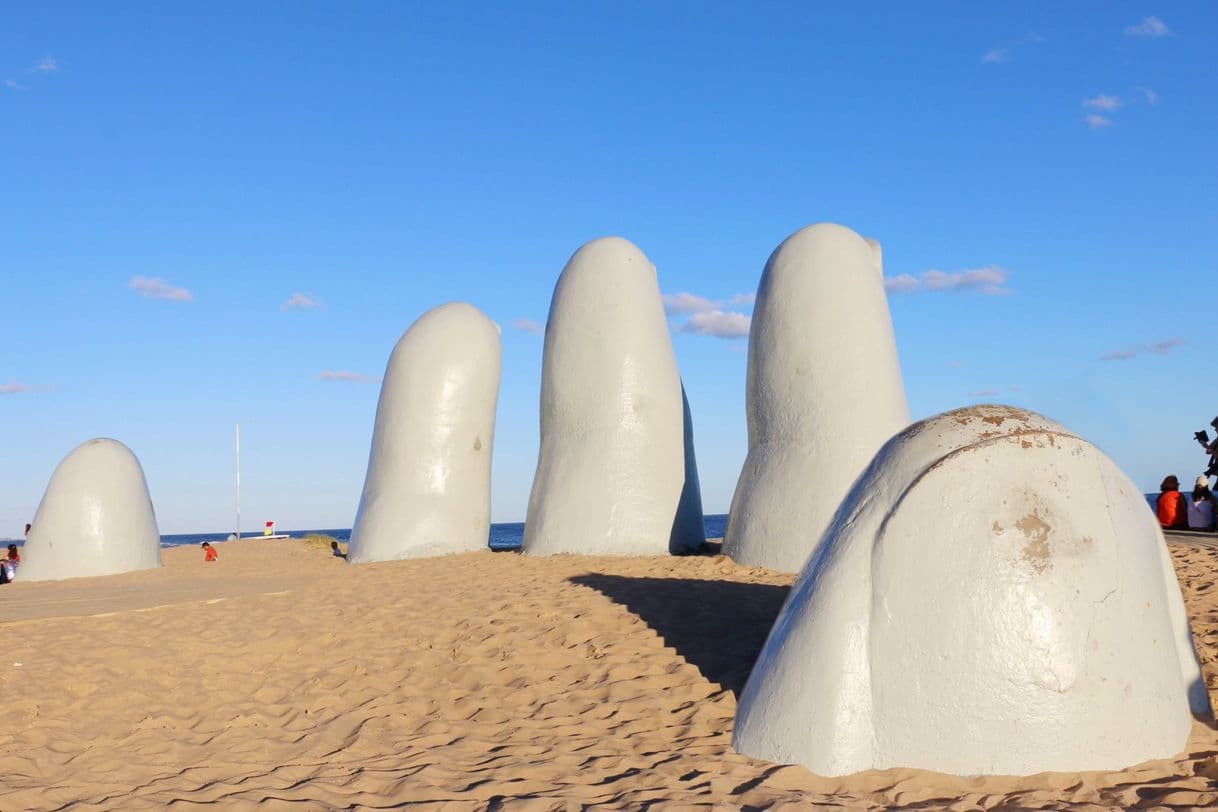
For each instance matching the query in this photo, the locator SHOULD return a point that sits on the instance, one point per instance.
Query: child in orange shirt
(209, 552)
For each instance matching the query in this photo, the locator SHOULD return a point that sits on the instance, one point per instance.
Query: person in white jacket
(1201, 506)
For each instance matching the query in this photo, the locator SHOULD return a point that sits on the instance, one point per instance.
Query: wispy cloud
(301, 301)
(1099, 109)
(683, 304)
(995, 392)
(680, 304)
(1102, 102)
(349, 377)
(1157, 348)
(717, 323)
(989, 281)
(709, 317)
(48, 64)
(17, 387)
(1151, 27)
(1004, 53)
(902, 283)
(529, 326)
(154, 287)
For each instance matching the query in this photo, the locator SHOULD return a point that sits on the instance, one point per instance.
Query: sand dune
(280, 678)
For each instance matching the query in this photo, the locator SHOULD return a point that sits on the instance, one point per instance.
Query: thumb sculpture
(616, 473)
(993, 597)
(95, 518)
(824, 392)
(428, 487)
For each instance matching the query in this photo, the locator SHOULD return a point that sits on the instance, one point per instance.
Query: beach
(279, 677)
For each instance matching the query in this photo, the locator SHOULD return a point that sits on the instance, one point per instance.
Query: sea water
(504, 535)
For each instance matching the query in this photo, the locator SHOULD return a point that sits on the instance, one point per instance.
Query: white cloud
(1102, 102)
(679, 304)
(48, 64)
(301, 301)
(344, 375)
(708, 317)
(1103, 105)
(17, 388)
(529, 326)
(904, 283)
(1151, 27)
(1158, 348)
(990, 281)
(1006, 53)
(154, 287)
(717, 323)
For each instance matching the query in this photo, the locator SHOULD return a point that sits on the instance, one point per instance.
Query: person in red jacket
(209, 552)
(1171, 507)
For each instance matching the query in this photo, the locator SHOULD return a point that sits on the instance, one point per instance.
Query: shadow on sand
(719, 627)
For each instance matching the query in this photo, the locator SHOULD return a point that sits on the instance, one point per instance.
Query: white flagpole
(238, 482)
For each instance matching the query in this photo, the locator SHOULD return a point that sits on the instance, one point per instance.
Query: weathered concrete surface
(96, 517)
(824, 392)
(992, 597)
(428, 487)
(616, 473)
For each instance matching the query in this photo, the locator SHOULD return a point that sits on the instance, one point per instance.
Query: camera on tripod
(1204, 439)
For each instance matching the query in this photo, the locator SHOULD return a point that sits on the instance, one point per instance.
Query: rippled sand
(281, 678)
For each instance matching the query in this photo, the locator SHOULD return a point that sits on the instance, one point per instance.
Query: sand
(281, 678)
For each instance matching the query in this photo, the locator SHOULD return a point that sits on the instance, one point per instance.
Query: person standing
(1201, 506)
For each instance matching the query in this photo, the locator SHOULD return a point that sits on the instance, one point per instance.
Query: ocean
(504, 536)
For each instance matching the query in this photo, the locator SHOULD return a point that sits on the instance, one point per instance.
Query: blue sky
(1043, 179)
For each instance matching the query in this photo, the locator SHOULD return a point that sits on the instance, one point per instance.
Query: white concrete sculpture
(616, 473)
(428, 487)
(824, 392)
(992, 597)
(95, 518)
